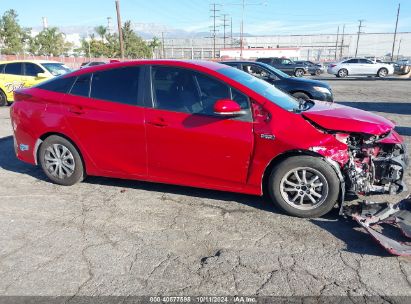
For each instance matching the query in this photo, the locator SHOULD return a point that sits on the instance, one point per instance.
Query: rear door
(104, 110)
(186, 142)
(13, 78)
(30, 72)
(352, 66)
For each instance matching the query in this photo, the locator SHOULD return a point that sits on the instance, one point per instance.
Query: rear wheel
(383, 72)
(3, 99)
(342, 73)
(61, 161)
(299, 73)
(304, 186)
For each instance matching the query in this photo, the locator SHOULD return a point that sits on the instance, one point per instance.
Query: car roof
(28, 60)
(202, 64)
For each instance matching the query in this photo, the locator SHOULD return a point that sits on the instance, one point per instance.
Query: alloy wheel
(304, 188)
(59, 161)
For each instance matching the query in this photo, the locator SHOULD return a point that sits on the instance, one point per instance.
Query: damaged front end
(388, 224)
(376, 164)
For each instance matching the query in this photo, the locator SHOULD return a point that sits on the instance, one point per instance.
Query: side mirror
(227, 107)
(42, 75)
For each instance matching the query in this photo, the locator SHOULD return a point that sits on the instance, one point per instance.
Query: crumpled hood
(332, 116)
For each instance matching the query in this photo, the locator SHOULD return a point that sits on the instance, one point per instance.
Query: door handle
(77, 110)
(159, 122)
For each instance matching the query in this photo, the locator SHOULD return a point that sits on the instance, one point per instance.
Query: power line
(395, 32)
(358, 35)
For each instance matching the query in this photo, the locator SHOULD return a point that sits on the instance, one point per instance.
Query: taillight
(19, 96)
(332, 65)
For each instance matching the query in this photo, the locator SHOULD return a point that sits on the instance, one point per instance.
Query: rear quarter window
(58, 84)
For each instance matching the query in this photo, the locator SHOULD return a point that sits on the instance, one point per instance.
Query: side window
(15, 68)
(264, 60)
(118, 85)
(285, 61)
(187, 91)
(81, 86)
(255, 70)
(352, 61)
(240, 98)
(32, 69)
(211, 90)
(2, 68)
(175, 89)
(58, 84)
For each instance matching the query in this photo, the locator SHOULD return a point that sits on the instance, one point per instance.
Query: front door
(104, 112)
(186, 142)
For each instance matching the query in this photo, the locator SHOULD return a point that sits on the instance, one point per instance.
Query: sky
(261, 17)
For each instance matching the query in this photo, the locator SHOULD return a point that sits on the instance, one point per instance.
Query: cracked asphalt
(115, 237)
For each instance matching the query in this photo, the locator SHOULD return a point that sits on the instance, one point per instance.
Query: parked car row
(207, 125)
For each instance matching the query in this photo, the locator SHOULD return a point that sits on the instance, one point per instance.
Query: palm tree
(101, 31)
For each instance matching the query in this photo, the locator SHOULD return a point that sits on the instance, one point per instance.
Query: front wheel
(304, 186)
(299, 73)
(61, 161)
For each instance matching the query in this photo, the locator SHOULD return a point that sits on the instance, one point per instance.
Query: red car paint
(133, 142)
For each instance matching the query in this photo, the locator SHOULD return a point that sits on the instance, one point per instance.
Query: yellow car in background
(26, 73)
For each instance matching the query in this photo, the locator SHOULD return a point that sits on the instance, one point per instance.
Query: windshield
(56, 69)
(275, 71)
(263, 88)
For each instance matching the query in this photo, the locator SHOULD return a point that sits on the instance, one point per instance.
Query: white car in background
(360, 67)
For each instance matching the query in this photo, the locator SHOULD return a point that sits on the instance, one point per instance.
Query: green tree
(101, 31)
(134, 46)
(12, 35)
(154, 44)
(49, 42)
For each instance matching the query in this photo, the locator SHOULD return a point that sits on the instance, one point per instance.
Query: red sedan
(207, 125)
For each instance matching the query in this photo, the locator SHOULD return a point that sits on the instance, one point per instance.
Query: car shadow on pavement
(348, 231)
(9, 161)
(343, 229)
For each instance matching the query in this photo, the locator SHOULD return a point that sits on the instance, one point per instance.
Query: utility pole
(225, 25)
(395, 33)
(336, 43)
(342, 42)
(399, 46)
(120, 32)
(214, 11)
(358, 36)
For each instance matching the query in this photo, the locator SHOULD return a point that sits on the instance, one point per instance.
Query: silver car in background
(360, 67)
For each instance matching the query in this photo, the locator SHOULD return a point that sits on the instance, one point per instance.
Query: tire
(318, 72)
(3, 99)
(50, 156)
(342, 73)
(299, 73)
(383, 72)
(301, 95)
(318, 173)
